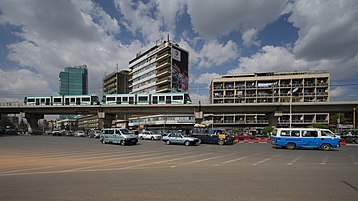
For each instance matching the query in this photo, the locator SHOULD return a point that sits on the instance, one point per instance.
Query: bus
(304, 138)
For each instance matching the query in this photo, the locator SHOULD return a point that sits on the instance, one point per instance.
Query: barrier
(236, 139)
(262, 139)
(342, 142)
(268, 140)
(246, 139)
(256, 140)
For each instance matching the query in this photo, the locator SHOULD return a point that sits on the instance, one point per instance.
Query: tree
(267, 130)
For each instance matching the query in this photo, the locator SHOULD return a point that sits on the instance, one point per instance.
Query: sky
(39, 38)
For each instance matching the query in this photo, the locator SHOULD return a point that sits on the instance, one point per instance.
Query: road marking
(170, 160)
(295, 160)
(267, 159)
(350, 185)
(324, 160)
(197, 161)
(234, 160)
(354, 160)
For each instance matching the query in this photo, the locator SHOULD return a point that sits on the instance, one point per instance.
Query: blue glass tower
(74, 81)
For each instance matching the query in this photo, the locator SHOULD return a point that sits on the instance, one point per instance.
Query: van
(307, 138)
(118, 136)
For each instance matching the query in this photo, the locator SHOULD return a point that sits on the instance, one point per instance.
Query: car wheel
(167, 142)
(187, 143)
(104, 141)
(290, 146)
(221, 142)
(123, 143)
(356, 141)
(141, 138)
(326, 147)
(152, 138)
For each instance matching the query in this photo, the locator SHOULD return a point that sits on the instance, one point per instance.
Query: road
(67, 168)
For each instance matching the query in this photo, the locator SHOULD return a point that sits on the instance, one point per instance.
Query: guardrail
(11, 104)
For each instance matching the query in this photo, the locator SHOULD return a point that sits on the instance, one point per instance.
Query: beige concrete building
(271, 87)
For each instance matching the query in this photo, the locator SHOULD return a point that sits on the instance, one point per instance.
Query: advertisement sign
(180, 63)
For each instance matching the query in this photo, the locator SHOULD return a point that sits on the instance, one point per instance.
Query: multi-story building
(116, 83)
(162, 68)
(74, 81)
(273, 87)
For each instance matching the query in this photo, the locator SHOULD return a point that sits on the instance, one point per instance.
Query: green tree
(23, 126)
(267, 130)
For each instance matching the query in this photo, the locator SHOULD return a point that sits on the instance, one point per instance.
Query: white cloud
(195, 98)
(270, 58)
(249, 37)
(212, 18)
(52, 40)
(205, 78)
(327, 29)
(16, 84)
(339, 91)
(213, 53)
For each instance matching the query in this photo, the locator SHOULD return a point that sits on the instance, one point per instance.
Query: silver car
(178, 138)
(148, 135)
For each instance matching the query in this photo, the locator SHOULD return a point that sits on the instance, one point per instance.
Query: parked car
(178, 138)
(56, 133)
(148, 135)
(80, 133)
(118, 136)
(94, 134)
(213, 136)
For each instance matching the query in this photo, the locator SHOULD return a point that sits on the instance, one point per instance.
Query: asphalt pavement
(68, 168)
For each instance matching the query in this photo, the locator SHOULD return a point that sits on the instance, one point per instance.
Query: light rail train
(110, 99)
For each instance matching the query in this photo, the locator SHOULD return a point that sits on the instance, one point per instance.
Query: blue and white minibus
(307, 138)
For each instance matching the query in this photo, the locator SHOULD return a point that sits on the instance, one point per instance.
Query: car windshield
(327, 133)
(126, 132)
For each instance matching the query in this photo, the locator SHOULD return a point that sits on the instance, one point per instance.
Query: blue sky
(41, 37)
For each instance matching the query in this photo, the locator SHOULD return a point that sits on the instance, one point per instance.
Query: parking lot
(67, 168)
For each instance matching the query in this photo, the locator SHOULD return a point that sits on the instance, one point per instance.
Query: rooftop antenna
(117, 66)
(168, 38)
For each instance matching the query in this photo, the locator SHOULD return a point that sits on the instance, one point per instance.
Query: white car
(148, 135)
(80, 133)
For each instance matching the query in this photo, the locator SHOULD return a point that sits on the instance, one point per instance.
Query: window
(310, 134)
(177, 97)
(295, 133)
(285, 133)
(125, 99)
(86, 99)
(327, 133)
(57, 100)
(161, 98)
(142, 98)
(111, 98)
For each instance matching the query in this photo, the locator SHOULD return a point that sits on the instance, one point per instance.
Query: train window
(48, 101)
(57, 100)
(73, 100)
(161, 98)
(177, 97)
(168, 99)
(78, 101)
(42, 100)
(86, 99)
(131, 100)
(125, 99)
(30, 100)
(155, 99)
(111, 98)
(142, 98)
(67, 101)
(118, 100)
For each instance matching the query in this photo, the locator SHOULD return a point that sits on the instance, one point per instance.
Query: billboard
(180, 77)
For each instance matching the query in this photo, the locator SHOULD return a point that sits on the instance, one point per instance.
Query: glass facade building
(74, 81)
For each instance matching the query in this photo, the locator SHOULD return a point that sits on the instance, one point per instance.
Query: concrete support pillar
(273, 118)
(105, 120)
(33, 119)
